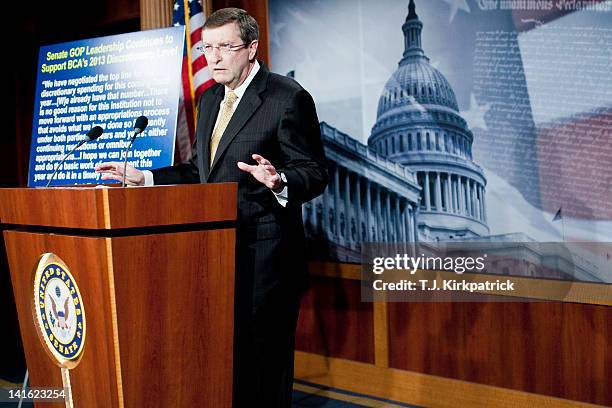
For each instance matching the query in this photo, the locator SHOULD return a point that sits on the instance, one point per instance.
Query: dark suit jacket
(275, 118)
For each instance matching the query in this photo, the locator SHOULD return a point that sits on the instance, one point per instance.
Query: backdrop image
(459, 120)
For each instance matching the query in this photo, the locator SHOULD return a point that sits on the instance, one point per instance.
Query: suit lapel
(208, 126)
(246, 108)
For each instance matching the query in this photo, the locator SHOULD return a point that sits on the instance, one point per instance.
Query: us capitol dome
(419, 126)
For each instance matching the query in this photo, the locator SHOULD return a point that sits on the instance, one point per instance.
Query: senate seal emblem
(58, 311)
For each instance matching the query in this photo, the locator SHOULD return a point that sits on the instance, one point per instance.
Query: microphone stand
(139, 127)
(63, 160)
(126, 157)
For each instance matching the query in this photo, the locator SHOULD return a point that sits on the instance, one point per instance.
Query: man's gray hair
(249, 29)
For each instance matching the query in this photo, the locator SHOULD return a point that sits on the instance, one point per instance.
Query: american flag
(196, 77)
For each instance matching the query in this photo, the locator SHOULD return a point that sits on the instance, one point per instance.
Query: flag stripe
(197, 21)
(201, 77)
(200, 65)
(189, 54)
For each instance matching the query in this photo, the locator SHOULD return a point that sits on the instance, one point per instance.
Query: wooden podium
(155, 269)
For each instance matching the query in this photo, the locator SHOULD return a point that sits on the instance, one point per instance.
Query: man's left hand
(263, 171)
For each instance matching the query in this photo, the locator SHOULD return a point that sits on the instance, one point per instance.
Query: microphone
(93, 134)
(139, 126)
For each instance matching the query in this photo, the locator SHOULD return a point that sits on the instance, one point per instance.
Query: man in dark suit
(261, 130)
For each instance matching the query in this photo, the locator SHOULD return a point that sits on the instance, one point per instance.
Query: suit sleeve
(183, 173)
(299, 136)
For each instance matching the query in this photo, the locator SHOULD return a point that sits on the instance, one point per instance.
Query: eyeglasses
(224, 49)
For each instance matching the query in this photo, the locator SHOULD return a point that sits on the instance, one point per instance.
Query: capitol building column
(357, 207)
(484, 205)
(451, 197)
(482, 209)
(451, 183)
(477, 196)
(438, 191)
(466, 196)
(460, 195)
(324, 221)
(398, 220)
(337, 201)
(406, 220)
(415, 226)
(479, 201)
(389, 227)
(472, 198)
(378, 216)
(368, 186)
(427, 195)
(447, 193)
(456, 192)
(475, 199)
(347, 207)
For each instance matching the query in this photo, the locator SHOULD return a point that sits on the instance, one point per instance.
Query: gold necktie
(224, 117)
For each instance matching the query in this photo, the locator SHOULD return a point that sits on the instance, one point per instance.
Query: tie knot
(230, 98)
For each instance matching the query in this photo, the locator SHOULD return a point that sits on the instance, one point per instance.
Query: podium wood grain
(159, 302)
(175, 318)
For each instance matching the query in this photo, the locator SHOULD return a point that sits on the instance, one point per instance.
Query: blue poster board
(107, 82)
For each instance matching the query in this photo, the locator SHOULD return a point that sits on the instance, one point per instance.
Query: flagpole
(563, 227)
(559, 216)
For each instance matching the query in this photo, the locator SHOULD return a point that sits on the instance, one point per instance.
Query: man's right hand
(114, 171)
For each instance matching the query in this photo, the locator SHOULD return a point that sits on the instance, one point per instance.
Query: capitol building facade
(415, 180)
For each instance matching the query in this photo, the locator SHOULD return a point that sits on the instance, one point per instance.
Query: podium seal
(59, 314)
(59, 311)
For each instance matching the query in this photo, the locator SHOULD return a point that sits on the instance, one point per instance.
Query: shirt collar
(242, 88)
